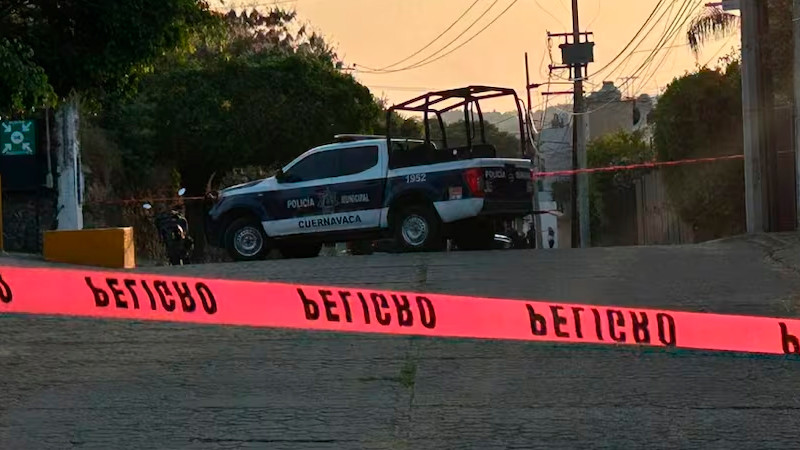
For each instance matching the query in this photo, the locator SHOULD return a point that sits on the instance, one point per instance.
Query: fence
(656, 220)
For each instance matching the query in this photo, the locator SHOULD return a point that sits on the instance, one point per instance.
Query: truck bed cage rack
(439, 102)
(357, 137)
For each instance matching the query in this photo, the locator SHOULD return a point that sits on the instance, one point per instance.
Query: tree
(85, 48)
(507, 145)
(615, 149)
(23, 83)
(714, 23)
(253, 95)
(263, 110)
(406, 127)
(700, 115)
(95, 46)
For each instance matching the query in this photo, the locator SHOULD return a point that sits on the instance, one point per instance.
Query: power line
(622, 67)
(267, 4)
(718, 50)
(503, 120)
(403, 88)
(434, 39)
(646, 22)
(688, 15)
(670, 31)
(549, 13)
(421, 64)
(427, 58)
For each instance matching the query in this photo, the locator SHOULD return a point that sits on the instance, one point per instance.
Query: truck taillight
(474, 179)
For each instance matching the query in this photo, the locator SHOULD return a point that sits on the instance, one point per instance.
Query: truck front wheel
(417, 228)
(245, 240)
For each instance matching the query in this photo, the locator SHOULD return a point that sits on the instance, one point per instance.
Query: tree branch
(713, 24)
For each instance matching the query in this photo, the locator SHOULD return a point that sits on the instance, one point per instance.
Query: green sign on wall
(17, 137)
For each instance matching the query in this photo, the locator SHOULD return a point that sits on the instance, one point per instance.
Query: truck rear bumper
(455, 210)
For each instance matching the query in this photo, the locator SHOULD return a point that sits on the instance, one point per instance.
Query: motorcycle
(173, 228)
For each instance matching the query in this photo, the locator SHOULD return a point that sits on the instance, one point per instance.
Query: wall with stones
(30, 210)
(26, 215)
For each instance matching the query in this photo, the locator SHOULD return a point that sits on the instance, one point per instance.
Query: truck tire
(305, 250)
(418, 228)
(474, 235)
(245, 240)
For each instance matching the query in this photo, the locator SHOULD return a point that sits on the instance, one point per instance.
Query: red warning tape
(647, 165)
(279, 305)
(138, 201)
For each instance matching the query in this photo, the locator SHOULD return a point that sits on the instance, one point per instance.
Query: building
(607, 111)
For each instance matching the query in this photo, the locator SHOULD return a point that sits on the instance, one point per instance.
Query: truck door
(359, 184)
(330, 190)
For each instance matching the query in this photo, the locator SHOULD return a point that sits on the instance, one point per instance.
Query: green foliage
(700, 115)
(616, 149)
(507, 145)
(261, 110)
(247, 96)
(23, 83)
(715, 24)
(406, 127)
(91, 46)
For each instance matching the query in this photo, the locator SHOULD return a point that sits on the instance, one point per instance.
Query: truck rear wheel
(417, 228)
(245, 240)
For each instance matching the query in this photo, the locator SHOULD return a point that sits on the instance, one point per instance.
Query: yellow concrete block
(103, 247)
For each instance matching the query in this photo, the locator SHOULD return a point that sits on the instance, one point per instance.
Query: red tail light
(474, 179)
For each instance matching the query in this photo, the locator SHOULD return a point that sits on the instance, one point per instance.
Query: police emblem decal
(327, 201)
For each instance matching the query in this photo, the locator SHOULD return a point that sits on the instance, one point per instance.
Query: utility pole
(579, 140)
(533, 152)
(759, 158)
(576, 56)
(579, 133)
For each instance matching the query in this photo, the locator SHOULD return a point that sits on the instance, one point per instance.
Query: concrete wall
(25, 216)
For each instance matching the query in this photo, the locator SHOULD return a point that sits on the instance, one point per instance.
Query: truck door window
(314, 167)
(355, 160)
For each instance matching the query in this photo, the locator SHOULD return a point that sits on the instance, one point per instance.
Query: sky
(377, 33)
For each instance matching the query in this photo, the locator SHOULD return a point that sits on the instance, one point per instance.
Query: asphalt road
(70, 383)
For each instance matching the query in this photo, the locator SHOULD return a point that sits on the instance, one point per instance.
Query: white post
(70, 178)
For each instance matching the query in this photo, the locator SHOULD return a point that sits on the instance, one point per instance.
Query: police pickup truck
(359, 189)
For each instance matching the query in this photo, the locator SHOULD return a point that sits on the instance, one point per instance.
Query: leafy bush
(700, 115)
(615, 149)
